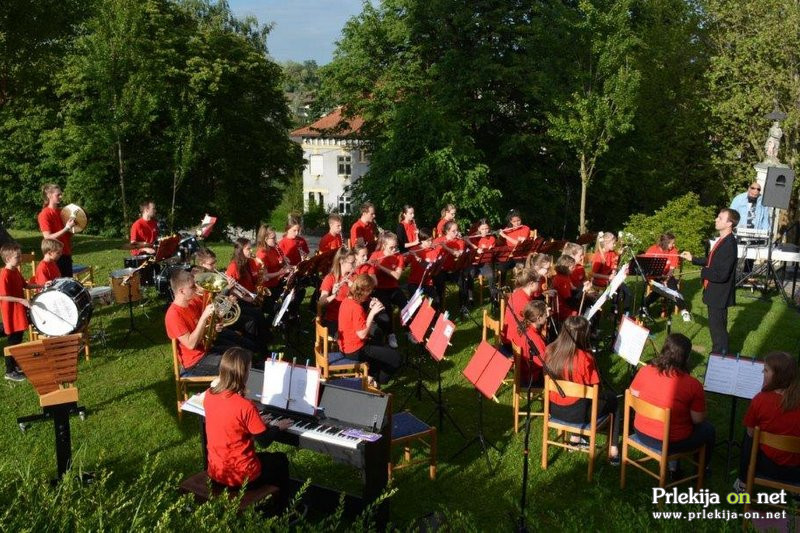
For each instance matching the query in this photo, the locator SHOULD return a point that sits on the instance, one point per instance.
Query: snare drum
(132, 290)
(62, 308)
(145, 274)
(102, 295)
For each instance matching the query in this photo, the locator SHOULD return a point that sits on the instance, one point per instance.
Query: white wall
(323, 154)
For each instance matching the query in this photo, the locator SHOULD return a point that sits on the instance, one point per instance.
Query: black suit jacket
(721, 274)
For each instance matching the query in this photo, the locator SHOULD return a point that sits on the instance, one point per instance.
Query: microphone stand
(534, 352)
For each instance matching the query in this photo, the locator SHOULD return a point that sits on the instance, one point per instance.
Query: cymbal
(135, 245)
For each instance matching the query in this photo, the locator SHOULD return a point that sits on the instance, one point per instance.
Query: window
(345, 165)
(315, 165)
(320, 200)
(344, 202)
(363, 157)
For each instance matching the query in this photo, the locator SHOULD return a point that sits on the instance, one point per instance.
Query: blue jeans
(765, 466)
(702, 433)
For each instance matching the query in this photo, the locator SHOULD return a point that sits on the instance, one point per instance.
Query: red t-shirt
(46, 271)
(584, 372)
(483, 243)
(330, 242)
(449, 259)
(366, 268)
(332, 309)
(520, 231)
(231, 424)
(517, 301)
(365, 231)
(144, 231)
(180, 321)
(50, 221)
(678, 392)
(578, 276)
(531, 367)
(15, 317)
(563, 287)
(410, 230)
(291, 248)
(671, 255)
(352, 318)
(604, 264)
(272, 259)
(765, 412)
(248, 280)
(418, 261)
(386, 281)
(440, 227)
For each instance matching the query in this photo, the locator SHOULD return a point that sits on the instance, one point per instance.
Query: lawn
(128, 391)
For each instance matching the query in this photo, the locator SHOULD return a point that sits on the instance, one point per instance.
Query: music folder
(487, 369)
(439, 339)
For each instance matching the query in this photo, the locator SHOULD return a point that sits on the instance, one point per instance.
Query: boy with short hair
(333, 239)
(13, 304)
(47, 269)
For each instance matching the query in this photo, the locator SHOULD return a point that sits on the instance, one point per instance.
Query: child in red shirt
(362, 265)
(233, 425)
(389, 266)
(666, 248)
(47, 269)
(242, 268)
(570, 357)
(335, 287)
(354, 331)
(293, 246)
(453, 247)
(666, 383)
(13, 304)
(407, 232)
(448, 215)
(481, 242)
(604, 267)
(776, 409)
(513, 234)
(145, 229)
(527, 282)
(333, 239)
(568, 297)
(363, 232)
(534, 317)
(420, 261)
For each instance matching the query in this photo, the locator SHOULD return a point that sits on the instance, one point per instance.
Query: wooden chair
(30, 259)
(84, 274)
(333, 364)
(784, 443)
(643, 408)
(203, 489)
(519, 393)
(183, 382)
(566, 429)
(493, 326)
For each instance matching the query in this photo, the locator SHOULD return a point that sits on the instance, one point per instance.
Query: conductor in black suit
(718, 275)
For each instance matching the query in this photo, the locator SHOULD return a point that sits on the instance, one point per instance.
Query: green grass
(128, 390)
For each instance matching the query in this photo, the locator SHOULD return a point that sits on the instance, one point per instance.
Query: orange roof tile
(332, 125)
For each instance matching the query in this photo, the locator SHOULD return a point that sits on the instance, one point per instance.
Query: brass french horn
(226, 310)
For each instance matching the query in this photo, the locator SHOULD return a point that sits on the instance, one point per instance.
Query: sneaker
(615, 460)
(392, 340)
(15, 376)
(686, 316)
(739, 486)
(411, 338)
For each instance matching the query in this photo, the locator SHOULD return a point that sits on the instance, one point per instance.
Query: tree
(599, 99)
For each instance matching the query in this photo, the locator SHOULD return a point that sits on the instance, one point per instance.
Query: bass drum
(62, 308)
(162, 280)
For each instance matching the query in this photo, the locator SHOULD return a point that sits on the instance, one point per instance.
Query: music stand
(51, 365)
(552, 247)
(486, 371)
(672, 295)
(522, 249)
(437, 344)
(647, 267)
(418, 330)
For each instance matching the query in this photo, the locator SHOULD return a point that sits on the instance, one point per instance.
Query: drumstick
(583, 297)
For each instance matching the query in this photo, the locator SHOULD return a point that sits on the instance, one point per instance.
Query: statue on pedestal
(773, 144)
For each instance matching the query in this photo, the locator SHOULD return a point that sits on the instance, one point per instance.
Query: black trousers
(764, 465)
(382, 360)
(702, 433)
(442, 278)
(13, 339)
(65, 265)
(390, 298)
(581, 411)
(672, 283)
(718, 326)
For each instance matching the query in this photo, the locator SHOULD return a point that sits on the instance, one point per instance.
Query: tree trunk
(175, 181)
(584, 186)
(122, 183)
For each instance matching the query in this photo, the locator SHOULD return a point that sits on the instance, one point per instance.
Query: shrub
(690, 222)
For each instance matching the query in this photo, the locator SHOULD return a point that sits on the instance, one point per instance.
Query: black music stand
(438, 341)
(486, 371)
(647, 266)
(672, 295)
(131, 323)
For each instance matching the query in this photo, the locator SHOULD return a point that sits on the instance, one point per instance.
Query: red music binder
(422, 321)
(440, 337)
(487, 369)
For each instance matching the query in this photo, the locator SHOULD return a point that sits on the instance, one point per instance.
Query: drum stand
(132, 325)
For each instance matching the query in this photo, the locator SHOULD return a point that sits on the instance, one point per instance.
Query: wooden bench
(204, 489)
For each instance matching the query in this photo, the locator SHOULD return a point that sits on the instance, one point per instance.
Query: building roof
(333, 125)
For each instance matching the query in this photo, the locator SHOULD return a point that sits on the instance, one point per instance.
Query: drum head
(122, 272)
(54, 313)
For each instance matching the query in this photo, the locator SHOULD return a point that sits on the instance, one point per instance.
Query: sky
(303, 29)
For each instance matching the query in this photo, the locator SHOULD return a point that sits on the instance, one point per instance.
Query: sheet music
(283, 309)
(630, 341)
(277, 380)
(303, 390)
(195, 404)
(411, 307)
(663, 288)
(742, 377)
(616, 281)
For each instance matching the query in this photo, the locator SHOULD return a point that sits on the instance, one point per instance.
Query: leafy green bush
(690, 222)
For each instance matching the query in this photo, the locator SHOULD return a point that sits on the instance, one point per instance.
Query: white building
(335, 159)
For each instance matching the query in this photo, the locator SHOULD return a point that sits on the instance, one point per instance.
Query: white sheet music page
(720, 374)
(275, 391)
(411, 307)
(630, 341)
(304, 389)
(750, 378)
